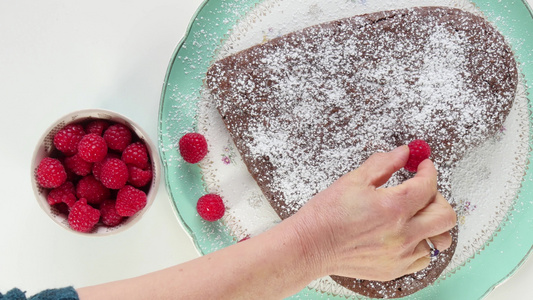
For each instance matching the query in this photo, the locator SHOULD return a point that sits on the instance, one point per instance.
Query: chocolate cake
(305, 108)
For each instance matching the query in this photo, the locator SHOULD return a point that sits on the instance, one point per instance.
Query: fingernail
(400, 149)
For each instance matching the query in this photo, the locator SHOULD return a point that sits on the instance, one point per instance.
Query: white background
(59, 56)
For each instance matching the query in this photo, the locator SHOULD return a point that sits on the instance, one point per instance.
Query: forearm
(353, 228)
(269, 266)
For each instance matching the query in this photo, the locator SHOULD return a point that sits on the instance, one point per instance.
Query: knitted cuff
(68, 293)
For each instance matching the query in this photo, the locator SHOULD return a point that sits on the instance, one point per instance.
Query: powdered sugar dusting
(401, 93)
(440, 88)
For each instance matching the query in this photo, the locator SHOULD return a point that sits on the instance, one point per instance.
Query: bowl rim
(81, 116)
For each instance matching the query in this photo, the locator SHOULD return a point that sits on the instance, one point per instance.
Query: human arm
(353, 228)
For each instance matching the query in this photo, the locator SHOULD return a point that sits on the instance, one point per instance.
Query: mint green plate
(499, 259)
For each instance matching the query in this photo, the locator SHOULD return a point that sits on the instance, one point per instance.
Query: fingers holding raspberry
(391, 221)
(415, 193)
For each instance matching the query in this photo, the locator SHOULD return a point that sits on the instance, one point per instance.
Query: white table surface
(58, 56)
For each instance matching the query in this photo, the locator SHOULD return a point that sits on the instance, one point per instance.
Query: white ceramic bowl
(45, 147)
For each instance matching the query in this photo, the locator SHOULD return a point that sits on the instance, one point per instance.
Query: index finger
(379, 167)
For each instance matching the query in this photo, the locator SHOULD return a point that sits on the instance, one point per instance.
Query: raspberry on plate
(118, 137)
(130, 200)
(66, 140)
(92, 190)
(92, 148)
(210, 207)
(193, 147)
(419, 150)
(108, 213)
(51, 173)
(78, 165)
(83, 217)
(114, 174)
(136, 154)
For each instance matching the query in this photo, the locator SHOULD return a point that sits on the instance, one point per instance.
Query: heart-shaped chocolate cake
(307, 107)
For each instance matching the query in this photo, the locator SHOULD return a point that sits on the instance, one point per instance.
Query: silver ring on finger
(433, 251)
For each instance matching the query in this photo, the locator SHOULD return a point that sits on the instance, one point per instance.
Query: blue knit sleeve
(14, 294)
(68, 293)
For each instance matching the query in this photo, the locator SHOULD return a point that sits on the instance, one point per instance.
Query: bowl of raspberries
(95, 172)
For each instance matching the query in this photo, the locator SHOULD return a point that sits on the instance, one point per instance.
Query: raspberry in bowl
(95, 172)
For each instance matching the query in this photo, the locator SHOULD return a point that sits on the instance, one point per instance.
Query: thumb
(379, 167)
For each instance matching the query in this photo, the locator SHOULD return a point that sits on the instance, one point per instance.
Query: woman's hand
(353, 228)
(356, 229)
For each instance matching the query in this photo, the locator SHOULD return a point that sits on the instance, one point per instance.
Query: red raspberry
(83, 217)
(193, 147)
(108, 213)
(130, 200)
(419, 150)
(136, 154)
(97, 127)
(92, 148)
(139, 177)
(210, 207)
(70, 175)
(118, 137)
(92, 190)
(78, 165)
(65, 193)
(97, 167)
(114, 174)
(66, 140)
(51, 173)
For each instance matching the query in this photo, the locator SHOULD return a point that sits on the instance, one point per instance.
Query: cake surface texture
(307, 107)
